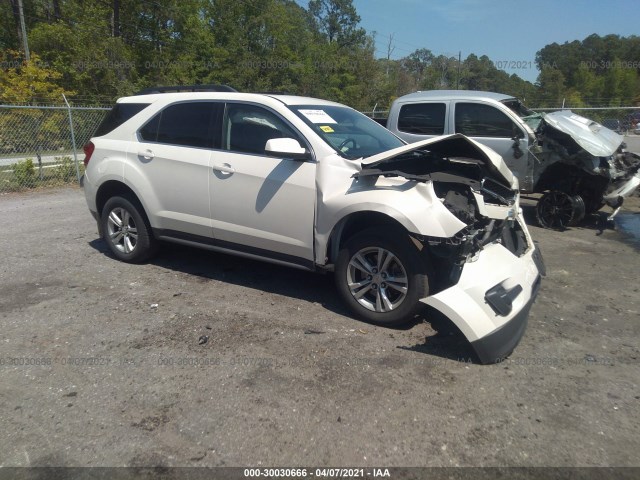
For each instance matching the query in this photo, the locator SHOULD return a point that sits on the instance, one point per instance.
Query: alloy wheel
(122, 230)
(377, 279)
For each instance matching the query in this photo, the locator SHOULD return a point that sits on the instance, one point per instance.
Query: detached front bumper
(614, 198)
(490, 303)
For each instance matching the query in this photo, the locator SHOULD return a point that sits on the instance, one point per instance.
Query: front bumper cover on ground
(492, 335)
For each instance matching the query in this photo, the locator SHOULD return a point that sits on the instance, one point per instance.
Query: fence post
(73, 139)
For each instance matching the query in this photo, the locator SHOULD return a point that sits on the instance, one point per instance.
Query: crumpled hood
(455, 145)
(599, 141)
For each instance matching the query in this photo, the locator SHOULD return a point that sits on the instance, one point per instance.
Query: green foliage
(337, 21)
(29, 82)
(597, 71)
(98, 51)
(24, 173)
(66, 171)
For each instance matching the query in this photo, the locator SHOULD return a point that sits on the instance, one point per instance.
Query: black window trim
(302, 138)
(486, 104)
(423, 102)
(97, 133)
(200, 100)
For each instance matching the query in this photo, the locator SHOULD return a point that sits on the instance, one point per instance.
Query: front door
(493, 128)
(261, 204)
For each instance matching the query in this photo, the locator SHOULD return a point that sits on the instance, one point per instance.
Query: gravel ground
(202, 359)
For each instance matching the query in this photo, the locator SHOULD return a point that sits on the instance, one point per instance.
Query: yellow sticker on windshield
(326, 129)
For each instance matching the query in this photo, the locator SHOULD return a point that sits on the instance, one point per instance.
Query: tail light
(88, 151)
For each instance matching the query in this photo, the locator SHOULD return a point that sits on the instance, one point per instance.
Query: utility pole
(27, 56)
(458, 76)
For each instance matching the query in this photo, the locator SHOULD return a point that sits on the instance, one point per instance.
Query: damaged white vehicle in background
(316, 185)
(577, 164)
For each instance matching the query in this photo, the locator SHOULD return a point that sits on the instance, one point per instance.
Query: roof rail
(275, 93)
(186, 88)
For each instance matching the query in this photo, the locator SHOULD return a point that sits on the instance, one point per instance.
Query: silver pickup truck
(577, 164)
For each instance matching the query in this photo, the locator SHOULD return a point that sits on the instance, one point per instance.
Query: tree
(338, 21)
(29, 82)
(552, 84)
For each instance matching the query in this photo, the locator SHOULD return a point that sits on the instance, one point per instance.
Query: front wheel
(382, 276)
(126, 230)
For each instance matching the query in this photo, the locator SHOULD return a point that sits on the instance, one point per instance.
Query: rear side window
(422, 118)
(120, 113)
(478, 120)
(191, 124)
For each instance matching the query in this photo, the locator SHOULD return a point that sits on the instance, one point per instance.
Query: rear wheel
(559, 210)
(382, 276)
(126, 230)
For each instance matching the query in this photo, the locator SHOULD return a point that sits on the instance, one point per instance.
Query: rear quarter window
(120, 113)
(422, 118)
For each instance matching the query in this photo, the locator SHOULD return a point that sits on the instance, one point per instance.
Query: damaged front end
(487, 274)
(472, 189)
(581, 165)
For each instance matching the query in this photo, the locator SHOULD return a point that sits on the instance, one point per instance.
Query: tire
(558, 210)
(126, 230)
(592, 204)
(362, 276)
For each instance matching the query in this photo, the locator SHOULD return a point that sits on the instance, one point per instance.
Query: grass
(25, 175)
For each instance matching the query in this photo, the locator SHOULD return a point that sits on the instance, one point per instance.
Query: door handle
(146, 154)
(226, 168)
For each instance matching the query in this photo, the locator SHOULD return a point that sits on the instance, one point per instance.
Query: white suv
(316, 185)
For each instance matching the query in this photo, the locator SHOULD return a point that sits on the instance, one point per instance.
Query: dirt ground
(203, 359)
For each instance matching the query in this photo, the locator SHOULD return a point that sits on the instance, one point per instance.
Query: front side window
(248, 128)
(478, 120)
(352, 134)
(191, 124)
(422, 118)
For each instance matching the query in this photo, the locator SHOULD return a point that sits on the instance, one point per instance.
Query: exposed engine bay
(468, 185)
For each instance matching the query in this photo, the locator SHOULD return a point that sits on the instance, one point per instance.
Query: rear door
(261, 204)
(419, 121)
(171, 161)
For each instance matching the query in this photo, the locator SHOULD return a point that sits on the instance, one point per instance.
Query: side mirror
(286, 148)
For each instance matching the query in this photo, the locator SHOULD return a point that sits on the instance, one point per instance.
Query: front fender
(414, 205)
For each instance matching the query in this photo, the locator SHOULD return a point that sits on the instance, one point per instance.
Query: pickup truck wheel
(126, 230)
(592, 203)
(559, 210)
(381, 276)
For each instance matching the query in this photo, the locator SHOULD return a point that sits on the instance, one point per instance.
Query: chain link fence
(41, 146)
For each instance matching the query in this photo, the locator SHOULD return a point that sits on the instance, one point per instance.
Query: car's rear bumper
(490, 303)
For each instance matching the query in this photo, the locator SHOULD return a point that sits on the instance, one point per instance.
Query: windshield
(352, 134)
(516, 106)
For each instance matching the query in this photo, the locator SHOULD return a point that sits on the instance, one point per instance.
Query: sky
(509, 32)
